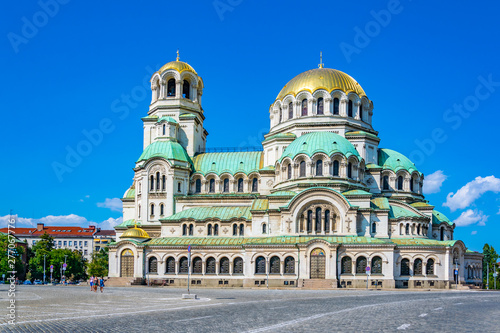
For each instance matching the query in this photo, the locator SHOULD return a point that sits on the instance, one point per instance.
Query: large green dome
(320, 142)
(168, 149)
(392, 160)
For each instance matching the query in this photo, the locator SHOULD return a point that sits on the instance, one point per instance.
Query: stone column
(154, 94)
(194, 93)
(356, 109)
(178, 88)
(343, 107)
(298, 109)
(163, 89)
(327, 106)
(313, 110)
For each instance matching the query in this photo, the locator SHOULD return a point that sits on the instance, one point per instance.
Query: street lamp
(44, 256)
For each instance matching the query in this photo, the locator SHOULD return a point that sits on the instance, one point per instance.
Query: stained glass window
(376, 265)
(289, 265)
(346, 264)
(405, 267)
(361, 265)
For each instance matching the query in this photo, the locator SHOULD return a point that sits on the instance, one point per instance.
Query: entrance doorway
(127, 264)
(318, 260)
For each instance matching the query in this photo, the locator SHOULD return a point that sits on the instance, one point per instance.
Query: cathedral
(320, 205)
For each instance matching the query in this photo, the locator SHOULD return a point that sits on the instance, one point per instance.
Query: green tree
(14, 252)
(98, 266)
(36, 256)
(489, 265)
(75, 262)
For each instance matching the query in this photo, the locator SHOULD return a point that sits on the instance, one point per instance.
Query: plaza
(156, 309)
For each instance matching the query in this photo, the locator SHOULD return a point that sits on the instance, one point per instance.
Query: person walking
(101, 283)
(91, 283)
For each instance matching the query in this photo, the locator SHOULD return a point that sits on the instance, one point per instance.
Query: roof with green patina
(282, 194)
(396, 212)
(167, 119)
(130, 194)
(168, 149)
(281, 136)
(420, 204)
(150, 117)
(357, 192)
(279, 240)
(392, 160)
(324, 142)
(260, 204)
(422, 242)
(269, 167)
(232, 162)
(187, 116)
(373, 166)
(317, 188)
(128, 223)
(224, 213)
(380, 203)
(438, 218)
(363, 133)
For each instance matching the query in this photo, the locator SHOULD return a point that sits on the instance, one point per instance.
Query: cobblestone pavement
(147, 309)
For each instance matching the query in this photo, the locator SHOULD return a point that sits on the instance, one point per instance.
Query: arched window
(224, 266)
(327, 221)
(139, 212)
(290, 110)
(255, 185)
(441, 233)
(289, 265)
(336, 106)
(302, 169)
(274, 265)
(184, 230)
(411, 184)
(171, 88)
(336, 168)
(210, 269)
(179, 187)
(349, 170)
(320, 105)
(162, 210)
(361, 111)
(226, 185)
(418, 229)
(374, 228)
(170, 269)
(211, 186)
(153, 265)
(407, 229)
(164, 129)
(235, 230)
(309, 220)
(304, 107)
(264, 228)
(216, 230)
(197, 186)
(405, 267)
(349, 109)
(318, 220)
(238, 266)
(429, 269)
(163, 183)
(185, 89)
(242, 229)
(400, 183)
(385, 183)
(417, 267)
(152, 209)
(197, 265)
(157, 181)
(376, 265)
(319, 168)
(280, 119)
(260, 265)
(191, 228)
(209, 230)
(240, 185)
(346, 265)
(289, 171)
(151, 183)
(361, 265)
(183, 265)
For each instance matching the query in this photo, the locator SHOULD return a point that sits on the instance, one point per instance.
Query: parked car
(37, 282)
(27, 282)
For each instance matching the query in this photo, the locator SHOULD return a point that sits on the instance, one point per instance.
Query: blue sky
(67, 67)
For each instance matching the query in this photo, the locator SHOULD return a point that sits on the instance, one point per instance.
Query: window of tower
(335, 168)
(336, 106)
(240, 185)
(171, 88)
(211, 187)
(400, 183)
(185, 89)
(255, 185)
(320, 105)
(349, 109)
(302, 169)
(385, 183)
(304, 107)
(361, 111)
(290, 110)
(197, 186)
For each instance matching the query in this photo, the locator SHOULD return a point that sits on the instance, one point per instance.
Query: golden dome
(179, 66)
(135, 233)
(321, 78)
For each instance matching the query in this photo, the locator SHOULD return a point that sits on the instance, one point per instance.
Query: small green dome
(324, 142)
(392, 160)
(168, 149)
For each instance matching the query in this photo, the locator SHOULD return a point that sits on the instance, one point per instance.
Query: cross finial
(177, 59)
(321, 64)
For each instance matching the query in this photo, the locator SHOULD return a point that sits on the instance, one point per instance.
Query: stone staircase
(318, 284)
(120, 281)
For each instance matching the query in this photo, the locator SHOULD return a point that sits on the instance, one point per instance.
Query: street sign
(189, 248)
(368, 269)
(51, 266)
(456, 271)
(64, 265)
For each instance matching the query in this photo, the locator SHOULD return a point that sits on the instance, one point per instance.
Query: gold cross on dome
(321, 64)
(177, 59)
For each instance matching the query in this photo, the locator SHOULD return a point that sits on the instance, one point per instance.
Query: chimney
(39, 227)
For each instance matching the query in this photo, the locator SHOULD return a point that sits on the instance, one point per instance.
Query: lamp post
(44, 256)
(487, 277)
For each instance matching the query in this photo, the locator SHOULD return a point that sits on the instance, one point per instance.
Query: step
(318, 284)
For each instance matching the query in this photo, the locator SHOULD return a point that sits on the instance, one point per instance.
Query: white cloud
(433, 182)
(70, 220)
(472, 191)
(474, 232)
(114, 204)
(471, 217)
